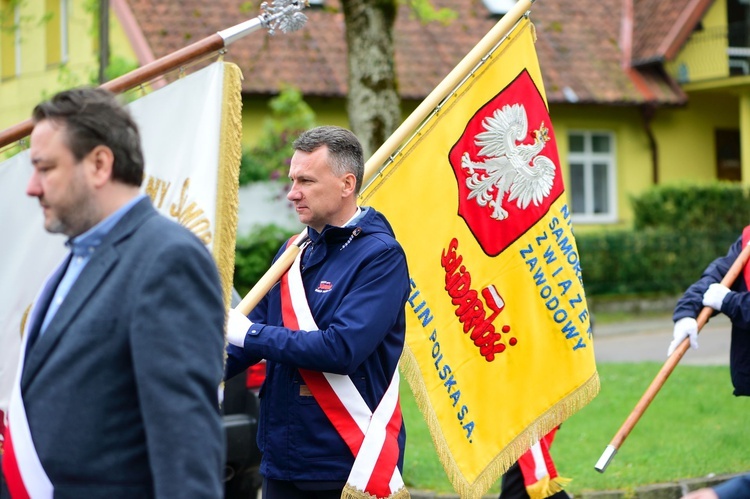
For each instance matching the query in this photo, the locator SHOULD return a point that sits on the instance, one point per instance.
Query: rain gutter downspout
(648, 111)
(648, 108)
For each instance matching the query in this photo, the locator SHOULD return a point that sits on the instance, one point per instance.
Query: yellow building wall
(687, 148)
(684, 138)
(38, 80)
(633, 155)
(632, 152)
(119, 45)
(328, 111)
(255, 110)
(704, 56)
(686, 151)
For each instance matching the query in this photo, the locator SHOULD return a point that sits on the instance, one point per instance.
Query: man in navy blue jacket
(332, 332)
(734, 303)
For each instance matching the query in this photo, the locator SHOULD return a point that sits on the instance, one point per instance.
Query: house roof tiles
(577, 45)
(663, 26)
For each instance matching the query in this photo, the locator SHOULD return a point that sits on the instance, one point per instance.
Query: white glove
(683, 328)
(237, 327)
(714, 296)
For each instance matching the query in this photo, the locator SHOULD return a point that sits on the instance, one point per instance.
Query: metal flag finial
(284, 15)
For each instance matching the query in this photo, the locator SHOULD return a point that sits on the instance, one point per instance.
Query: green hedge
(652, 261)
(678, 231)
(717, 206)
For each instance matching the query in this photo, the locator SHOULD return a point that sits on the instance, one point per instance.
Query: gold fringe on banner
(227, 197)
(566, 407)
(350, 492)
(546, 487)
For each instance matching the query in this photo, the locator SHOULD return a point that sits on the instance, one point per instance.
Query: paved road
(648, 340)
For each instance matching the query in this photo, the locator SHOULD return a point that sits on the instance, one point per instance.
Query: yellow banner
(499, 348)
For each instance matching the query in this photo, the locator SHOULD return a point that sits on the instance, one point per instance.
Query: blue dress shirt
(82, 247)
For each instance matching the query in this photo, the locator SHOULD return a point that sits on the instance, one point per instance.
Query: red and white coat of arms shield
(506, 166)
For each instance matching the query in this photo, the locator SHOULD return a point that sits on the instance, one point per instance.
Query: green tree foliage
(254, 253)
(119, 66)
(269, 159)
(426, 12)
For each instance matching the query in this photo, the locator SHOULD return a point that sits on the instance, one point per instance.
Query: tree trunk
(373, 102)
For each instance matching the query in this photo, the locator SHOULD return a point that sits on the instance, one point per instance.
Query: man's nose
(293, 193)
(33, 187)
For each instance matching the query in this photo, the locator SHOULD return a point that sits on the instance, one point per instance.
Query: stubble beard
(76, 216)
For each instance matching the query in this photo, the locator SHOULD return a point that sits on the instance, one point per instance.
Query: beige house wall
(686, 136)
(36, 79)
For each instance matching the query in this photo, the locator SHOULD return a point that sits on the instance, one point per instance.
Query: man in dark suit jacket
(117, 395)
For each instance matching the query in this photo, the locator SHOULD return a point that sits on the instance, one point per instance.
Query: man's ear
(349, 184)
(102, 160)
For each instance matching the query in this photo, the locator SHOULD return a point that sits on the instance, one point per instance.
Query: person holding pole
(733, 300)
(332, 332)
(720, 288)
(122, 356)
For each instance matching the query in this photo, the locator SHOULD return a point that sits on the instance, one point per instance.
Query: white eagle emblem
(510, 166)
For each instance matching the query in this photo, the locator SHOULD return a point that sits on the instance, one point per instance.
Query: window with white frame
(64, 7)
(591, 190)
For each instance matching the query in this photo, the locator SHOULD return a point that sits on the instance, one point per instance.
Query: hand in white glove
(683, 328)
(237, 327)
(714, 295)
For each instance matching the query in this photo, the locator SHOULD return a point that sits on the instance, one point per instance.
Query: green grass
(694, 427)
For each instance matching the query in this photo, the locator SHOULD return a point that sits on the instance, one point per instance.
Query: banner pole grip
(661, 377)
(273, 274)
(280, 14)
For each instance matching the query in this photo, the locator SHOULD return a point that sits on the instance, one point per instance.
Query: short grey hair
(344, 150)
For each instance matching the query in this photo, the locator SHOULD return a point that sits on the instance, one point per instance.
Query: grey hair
(344, 150)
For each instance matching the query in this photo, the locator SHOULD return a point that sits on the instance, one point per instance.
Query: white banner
(192, 153)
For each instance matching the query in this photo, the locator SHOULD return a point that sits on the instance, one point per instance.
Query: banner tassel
(351, 492)
(230, 153)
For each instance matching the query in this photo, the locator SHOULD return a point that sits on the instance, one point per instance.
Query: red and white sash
(372, 437)
(745, 242)
(539, 473)
(24, 474)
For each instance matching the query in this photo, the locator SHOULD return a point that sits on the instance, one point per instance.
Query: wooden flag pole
(445, 87)
(378, 159)
(134, 78)
(272, 275)
(285, 16)
(661, 377)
